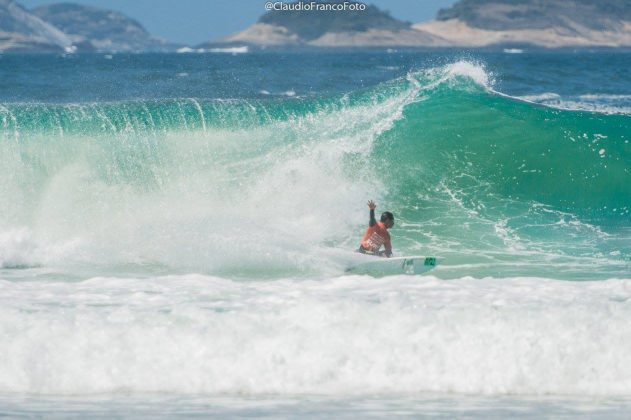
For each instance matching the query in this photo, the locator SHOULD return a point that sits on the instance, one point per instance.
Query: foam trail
(602, 103)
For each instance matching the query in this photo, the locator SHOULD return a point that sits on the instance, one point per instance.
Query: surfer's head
(387, 219)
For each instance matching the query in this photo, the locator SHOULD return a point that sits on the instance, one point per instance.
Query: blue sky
(195, 21)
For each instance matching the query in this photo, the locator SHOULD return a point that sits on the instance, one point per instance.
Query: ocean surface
(175, 230)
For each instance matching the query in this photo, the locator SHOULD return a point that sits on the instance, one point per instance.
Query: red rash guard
(376, 236)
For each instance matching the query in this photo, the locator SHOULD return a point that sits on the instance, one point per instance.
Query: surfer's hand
(371, 205)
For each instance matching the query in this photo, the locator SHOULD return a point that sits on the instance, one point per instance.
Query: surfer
(377, 233)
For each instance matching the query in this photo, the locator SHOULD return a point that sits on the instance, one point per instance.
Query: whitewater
(349, 335)
(195, 247)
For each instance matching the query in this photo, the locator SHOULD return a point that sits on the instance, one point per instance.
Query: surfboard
(378, 266)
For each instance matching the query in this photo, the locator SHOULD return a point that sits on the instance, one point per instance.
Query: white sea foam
(19, 248)
(473, 71)
(605, 96)
(541, 97)
(350, 335)
(605, 103)
(230, 50)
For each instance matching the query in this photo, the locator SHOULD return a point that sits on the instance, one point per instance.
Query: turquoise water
(181, 224)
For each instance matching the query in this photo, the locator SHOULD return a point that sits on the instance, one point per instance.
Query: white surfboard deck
(379, 266)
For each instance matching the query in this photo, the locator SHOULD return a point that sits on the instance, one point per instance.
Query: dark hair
(386, 215)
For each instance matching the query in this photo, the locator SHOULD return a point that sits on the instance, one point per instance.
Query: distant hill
(311, 25)
(68, 27)
(505, 15)
(99, 29)
(549, 23)
(329, 28)
(21, 31)
(468, 23)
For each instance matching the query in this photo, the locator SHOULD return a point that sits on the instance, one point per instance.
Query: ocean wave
(273, 185)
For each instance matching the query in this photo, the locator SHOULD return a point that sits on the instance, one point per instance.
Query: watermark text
(315, 6)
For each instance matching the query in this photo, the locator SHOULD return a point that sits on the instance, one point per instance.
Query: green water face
(493, 181)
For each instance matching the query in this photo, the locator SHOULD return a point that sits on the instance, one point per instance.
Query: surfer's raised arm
(372, 206)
